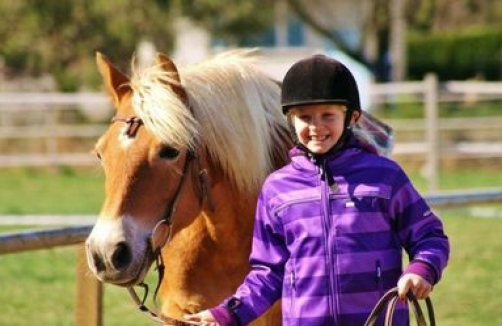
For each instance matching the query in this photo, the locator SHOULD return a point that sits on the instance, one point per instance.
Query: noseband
(167, 220)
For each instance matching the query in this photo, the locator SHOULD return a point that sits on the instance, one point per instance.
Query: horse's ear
(169, 66)
(116, 82)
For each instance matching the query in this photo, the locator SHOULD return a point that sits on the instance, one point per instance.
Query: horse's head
(147, 176)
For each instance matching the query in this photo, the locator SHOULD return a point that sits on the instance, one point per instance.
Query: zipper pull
(334, 186)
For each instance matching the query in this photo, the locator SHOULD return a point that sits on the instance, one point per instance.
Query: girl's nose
(315, 122)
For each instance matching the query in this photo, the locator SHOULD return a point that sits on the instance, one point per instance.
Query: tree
(61, 37)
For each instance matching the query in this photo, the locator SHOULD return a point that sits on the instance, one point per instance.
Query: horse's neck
(207, 260)
(229, 227)
(232, 221)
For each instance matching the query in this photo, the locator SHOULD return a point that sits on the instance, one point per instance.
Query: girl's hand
(414, 283)
(204, 318)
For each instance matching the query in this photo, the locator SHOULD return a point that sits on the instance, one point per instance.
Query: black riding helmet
(319, 79)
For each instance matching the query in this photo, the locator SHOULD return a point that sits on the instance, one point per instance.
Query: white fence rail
(432, 146)
(49, 131)
(36, 117)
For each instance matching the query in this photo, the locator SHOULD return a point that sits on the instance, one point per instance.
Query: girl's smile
(318, 127)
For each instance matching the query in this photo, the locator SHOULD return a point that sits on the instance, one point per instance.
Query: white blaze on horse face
(105, 231)
(124, 140)
(124, 228)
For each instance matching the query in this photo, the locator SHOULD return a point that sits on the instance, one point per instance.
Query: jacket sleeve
(420, 230)
(263, 284)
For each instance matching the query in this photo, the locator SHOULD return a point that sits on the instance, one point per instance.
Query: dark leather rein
(134, 123)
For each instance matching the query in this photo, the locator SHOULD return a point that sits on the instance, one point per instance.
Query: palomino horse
(184, 158)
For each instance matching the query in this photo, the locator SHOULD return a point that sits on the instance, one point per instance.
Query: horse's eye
(168, 152)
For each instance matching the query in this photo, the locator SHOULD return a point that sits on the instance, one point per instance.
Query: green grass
(61, 191)
(465, 179)
(39, 288)
(469, 291)
(409, 107)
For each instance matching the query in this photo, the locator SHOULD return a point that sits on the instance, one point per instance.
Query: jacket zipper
(330, 247)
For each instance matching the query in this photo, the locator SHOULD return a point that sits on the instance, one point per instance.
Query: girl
(331, 226)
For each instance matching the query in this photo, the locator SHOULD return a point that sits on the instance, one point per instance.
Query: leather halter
(133, 125)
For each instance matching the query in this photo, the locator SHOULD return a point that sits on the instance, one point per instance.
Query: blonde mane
(234, 111)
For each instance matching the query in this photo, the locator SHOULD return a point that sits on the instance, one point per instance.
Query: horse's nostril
(121, 256)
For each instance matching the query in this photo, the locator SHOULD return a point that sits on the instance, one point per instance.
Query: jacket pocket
(289, 291)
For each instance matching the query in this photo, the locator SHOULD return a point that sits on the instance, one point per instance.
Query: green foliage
(61, 37)
(473, 53)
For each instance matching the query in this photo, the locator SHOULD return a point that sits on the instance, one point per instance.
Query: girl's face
(319, 126)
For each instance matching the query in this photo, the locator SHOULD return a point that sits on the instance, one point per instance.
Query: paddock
(51, 132)
(88, 302)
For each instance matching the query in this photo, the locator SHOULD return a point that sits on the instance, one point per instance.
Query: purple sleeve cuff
(223, 316)
(423, 269)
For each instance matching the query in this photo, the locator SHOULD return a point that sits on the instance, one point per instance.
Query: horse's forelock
(164, 114)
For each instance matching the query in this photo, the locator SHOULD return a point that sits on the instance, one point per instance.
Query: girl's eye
(168, 152)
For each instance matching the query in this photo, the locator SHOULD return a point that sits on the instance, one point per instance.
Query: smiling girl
(332, 225)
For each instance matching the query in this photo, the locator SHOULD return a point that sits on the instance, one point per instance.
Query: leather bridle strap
(156, 249)
(133, 124)
(171, 209)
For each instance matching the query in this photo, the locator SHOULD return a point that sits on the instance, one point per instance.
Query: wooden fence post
(89, 300)
(432, 131)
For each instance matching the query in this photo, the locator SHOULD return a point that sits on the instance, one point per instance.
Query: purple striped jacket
(331, 252)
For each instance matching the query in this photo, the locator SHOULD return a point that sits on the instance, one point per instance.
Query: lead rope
(390, 299)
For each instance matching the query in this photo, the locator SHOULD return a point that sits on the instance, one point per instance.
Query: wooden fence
(49, 130)
(37, 117)
(89, 299)
(432, 93)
